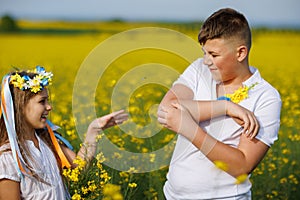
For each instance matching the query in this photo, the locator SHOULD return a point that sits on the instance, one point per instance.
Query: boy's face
(220, 56)
(37, 109)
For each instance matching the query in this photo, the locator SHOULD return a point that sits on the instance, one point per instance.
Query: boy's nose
(207, 60)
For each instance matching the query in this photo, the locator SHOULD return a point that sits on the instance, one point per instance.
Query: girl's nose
(48, 107)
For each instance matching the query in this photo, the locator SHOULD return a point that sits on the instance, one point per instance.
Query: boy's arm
(184, 96)
(206, 110)
(176, 93)
(240, 160)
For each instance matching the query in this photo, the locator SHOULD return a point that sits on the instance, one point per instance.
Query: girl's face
(37, 109)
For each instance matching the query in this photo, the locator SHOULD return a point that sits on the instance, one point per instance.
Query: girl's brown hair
(20, 99)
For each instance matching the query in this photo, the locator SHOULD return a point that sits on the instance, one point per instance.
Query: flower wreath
(35, 84)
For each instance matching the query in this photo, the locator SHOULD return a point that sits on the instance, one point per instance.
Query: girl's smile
(37, 109)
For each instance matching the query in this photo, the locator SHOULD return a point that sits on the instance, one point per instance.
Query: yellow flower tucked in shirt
(239, 95)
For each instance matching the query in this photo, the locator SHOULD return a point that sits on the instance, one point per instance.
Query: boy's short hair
(226, 23)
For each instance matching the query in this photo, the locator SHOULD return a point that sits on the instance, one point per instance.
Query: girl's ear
(242, 53)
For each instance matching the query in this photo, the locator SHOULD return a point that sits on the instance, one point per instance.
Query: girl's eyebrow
(44, 97)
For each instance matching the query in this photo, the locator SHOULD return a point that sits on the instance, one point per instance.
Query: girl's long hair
(20, 100)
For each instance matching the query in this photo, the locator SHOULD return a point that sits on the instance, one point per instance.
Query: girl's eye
(43, 101)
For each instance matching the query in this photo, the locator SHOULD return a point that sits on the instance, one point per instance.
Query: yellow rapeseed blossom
(152, 157)
(131, 170)
(80, 162)
(221, 165)
(132, 185)
(112, 192)
(240, 179)
(76, 196)
(72, 174)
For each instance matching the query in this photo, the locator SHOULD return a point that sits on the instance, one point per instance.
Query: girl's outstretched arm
(89, 147)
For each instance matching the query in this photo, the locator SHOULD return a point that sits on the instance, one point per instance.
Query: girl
(31, 158)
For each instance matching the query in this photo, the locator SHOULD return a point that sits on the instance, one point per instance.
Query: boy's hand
(177, 119)
(243, 117)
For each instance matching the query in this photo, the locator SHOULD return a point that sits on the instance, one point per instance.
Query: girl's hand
(112, 119)
(109, 120)
(243, 117)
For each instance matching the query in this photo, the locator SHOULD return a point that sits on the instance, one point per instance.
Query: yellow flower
(221, 165)
(240, 94)
(80, 162)
(35, 88)
(35, 84)
(241, 178)
(152, 157)
(76, 197)
(17, 81)
(100, 157)
(132, 185)
(131, 170)
(113, 192)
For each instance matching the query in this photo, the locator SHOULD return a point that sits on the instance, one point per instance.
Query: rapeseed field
(137, 80)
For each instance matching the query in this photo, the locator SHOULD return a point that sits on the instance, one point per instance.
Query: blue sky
(258, 12)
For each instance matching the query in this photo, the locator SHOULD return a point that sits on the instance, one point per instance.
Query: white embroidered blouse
(46, 167)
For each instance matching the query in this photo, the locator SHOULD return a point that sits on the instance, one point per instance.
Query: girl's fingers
(162, 121)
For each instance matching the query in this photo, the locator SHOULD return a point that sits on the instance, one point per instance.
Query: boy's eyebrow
(210, 52)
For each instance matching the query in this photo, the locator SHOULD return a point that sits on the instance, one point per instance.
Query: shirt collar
(255, 78)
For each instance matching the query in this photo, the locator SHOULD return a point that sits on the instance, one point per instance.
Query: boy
(226, 114)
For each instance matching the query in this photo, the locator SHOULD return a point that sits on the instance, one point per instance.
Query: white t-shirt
(46, 167)
(191, 175)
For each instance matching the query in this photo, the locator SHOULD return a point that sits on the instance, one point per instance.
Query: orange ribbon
(64, 161)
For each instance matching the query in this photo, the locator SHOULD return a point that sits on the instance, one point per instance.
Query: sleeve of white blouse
(7, 167)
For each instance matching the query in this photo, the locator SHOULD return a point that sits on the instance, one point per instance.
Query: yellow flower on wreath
(17, 81)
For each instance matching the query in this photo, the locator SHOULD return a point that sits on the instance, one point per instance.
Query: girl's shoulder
(5, 148)
(7, 164)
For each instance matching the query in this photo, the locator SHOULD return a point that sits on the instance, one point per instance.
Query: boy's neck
(242, 74)
(231, 85)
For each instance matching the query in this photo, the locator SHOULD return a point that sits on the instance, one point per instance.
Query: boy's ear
(242, 53)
